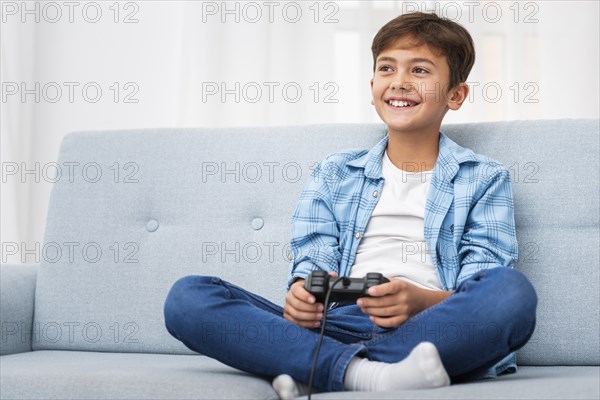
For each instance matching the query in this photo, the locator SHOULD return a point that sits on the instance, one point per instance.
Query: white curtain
(118, 65)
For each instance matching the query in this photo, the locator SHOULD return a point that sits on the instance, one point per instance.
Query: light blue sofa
(88, 322)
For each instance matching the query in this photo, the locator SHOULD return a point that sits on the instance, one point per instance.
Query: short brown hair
(449, 38)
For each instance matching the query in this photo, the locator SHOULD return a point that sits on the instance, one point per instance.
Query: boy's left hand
(392, 303)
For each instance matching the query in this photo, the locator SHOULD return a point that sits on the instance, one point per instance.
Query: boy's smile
(409, 88)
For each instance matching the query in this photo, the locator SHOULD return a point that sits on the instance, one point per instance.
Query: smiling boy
(434, 217)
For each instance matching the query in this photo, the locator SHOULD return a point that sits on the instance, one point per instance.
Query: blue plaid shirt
(469, 215)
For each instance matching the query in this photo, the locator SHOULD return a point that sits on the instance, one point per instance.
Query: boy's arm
(315, 232)
(489, 239)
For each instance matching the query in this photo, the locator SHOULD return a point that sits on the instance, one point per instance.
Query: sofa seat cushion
(94, 375)
(564, 382)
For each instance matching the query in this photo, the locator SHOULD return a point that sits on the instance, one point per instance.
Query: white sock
(422, 369)
(287, 388)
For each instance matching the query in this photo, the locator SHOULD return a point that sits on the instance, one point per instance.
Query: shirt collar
(450, 156)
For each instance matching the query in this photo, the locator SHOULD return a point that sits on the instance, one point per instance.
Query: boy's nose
(407, 86)
(402, 85)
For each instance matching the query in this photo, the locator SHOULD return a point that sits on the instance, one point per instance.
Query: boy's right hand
(301, 307)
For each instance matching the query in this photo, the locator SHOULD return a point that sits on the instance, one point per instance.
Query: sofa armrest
(17, 292)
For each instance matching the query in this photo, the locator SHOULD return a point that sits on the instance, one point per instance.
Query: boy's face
(410, 88)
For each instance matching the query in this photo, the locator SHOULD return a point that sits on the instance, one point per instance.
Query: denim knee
(519, 297)
(180, 293)
(520, 292)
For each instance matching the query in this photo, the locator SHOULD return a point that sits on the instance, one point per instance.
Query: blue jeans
(490, 315)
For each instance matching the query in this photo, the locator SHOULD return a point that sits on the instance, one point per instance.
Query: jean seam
(340, 366)
(359, 334)
(228, 286)
(349, 333)
(494, 355)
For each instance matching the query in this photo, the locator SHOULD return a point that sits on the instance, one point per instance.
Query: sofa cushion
(17, 288)
(143, 208)
(91, 375)
(529, 383)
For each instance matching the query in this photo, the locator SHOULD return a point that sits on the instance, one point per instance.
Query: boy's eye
(385, 68)
(420, 70)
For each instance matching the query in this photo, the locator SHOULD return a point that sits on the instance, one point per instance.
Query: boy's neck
(413, 152)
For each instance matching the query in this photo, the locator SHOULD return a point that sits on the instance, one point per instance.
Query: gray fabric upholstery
(17, 290)
(529, 383)
(92, 375)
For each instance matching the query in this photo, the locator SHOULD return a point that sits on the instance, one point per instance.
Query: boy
(433, 217)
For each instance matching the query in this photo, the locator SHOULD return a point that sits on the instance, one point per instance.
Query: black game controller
(345, 290)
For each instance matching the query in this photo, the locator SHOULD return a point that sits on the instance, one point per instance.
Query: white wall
(544, 59)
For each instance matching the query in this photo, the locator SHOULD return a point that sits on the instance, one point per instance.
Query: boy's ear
(457, 96)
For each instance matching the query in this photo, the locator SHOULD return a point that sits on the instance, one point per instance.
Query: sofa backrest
(136, 210)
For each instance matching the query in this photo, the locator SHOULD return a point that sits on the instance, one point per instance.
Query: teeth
(398, 103)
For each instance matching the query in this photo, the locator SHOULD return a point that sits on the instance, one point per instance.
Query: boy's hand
(395, 302)
(301, 307)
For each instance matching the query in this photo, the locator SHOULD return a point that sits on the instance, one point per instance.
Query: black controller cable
(325, 306)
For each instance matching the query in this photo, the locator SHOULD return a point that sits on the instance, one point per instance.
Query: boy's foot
(422, 369)
(287, 388)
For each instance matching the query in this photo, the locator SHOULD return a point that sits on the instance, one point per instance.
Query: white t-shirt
(393, 242)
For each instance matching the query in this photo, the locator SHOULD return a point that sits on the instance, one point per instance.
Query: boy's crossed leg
(248, 332)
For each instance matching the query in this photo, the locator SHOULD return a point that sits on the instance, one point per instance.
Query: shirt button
(375, 193)
(357, 235)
